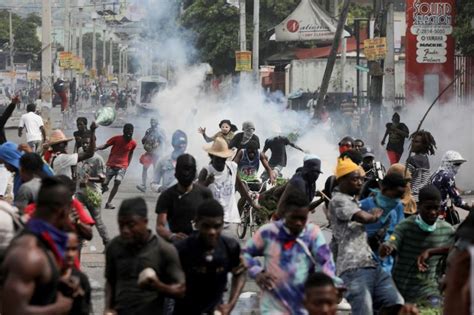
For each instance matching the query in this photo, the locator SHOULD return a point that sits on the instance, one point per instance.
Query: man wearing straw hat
(222, 178)
(61, 162)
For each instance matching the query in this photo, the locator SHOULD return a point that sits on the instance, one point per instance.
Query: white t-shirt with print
(62, 163)
(223, 189)
(31, 123)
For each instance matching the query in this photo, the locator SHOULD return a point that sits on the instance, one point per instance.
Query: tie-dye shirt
(289, 262)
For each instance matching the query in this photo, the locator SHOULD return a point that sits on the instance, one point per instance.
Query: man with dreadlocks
(418, 164)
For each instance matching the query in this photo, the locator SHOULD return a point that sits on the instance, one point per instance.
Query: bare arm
(238, 157)
(8, 111)
(161, 223)
(109, 297)
(384, 137)
(24, 267)
(366, 217)
(20, 132)
(103, 147)
(43, 133)
(291, 144)
(242, 189)
(265, 164)
(238, 282)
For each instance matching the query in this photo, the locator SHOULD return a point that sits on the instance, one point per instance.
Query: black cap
(313, 165)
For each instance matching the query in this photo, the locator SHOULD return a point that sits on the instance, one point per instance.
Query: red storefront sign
(429, 64)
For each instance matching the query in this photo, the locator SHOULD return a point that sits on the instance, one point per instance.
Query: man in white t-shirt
(222, 178)
(33, 125)
(61, 162)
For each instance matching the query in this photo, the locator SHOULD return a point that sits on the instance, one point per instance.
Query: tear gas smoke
(452, 127)
(187, 106)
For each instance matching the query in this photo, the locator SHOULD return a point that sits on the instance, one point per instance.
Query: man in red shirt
(119, 160)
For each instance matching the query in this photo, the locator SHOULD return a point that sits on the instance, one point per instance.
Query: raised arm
(7, 113)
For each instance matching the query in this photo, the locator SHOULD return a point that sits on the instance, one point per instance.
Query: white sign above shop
(307, 22)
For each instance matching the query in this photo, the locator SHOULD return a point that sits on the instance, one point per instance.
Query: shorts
(148, 159)
(118, 172)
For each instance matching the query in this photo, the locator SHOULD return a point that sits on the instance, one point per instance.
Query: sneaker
(141, 188)
(105, 188)
(109, 206)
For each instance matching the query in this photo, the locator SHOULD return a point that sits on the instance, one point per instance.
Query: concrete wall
(308, 74)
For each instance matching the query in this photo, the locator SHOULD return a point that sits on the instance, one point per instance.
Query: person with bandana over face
(444, 180)
(241, 140)
(417, 280)
(176, 207)
(165, 168)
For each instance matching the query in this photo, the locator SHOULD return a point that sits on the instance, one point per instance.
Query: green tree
(215, 25)
(24, 32)
(463, 31)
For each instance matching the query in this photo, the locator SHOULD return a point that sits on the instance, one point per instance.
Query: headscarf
(409, 203)
(450, 158)
(248, 129)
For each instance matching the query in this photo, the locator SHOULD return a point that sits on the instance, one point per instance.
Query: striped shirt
(419, 167)
(409, 242)
(288, 261)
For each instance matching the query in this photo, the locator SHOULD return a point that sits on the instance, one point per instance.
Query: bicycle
(249, 218)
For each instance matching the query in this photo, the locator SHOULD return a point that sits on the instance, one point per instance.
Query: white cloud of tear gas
(186, 105)
(452, 126)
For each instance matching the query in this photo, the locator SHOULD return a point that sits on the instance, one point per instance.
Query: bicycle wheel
(253, 225)
(242, 226)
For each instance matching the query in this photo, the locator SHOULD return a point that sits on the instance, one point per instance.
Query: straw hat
(219, 148)
(57, 136)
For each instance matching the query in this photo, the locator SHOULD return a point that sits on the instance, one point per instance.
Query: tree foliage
(463, 31)
(215, 25)
(24, 32)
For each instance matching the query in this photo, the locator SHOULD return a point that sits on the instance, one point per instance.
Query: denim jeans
(35, 145)
(370, 289)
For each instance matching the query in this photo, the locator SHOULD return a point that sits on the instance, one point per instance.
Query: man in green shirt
(419, 283)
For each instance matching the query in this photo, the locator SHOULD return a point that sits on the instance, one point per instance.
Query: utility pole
(111, 63)
(243, 26)
(332, 55)
(12, 46)
(390, 58)
(376, 72)
(80, 32)
(74, 33)
(46, 62)
(66, 25)
(94, 42)
(256, 39)
(104, 57)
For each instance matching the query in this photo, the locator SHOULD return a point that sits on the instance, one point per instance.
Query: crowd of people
(394, 233)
